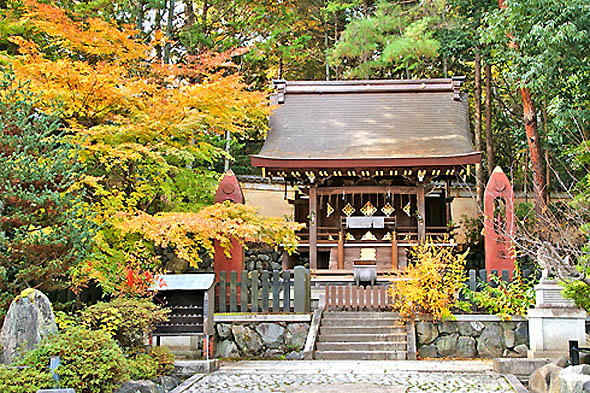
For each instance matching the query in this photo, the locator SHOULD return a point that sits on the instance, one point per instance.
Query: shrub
(430, 284)
(579, 292)
(157, 361)
(502, 298)
(128, 321)
(13, 380)
(91, 361)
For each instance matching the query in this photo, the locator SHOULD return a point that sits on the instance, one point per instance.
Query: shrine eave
(409, 162)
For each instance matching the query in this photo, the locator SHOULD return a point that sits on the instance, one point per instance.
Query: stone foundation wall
(467, 339)
(256, 258)
(265, 340)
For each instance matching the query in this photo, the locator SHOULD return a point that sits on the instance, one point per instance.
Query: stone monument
(29, 320)
(554, 321)
(499, 223)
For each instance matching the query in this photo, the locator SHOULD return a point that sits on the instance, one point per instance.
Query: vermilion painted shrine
(372, 161)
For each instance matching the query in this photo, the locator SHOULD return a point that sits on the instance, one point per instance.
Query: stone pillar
(553, 322)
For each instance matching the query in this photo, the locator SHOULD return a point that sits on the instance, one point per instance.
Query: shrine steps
(349, 335)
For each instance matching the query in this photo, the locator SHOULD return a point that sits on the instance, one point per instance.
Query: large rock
(166, 383)
(427, 332)
(572, 379)
(427, 351)
(448, 327)
(28, 321)
(465, 348)
(138, 387)
(490, 343)
(223, 330)
(247, 339)
(271, 334)
(521, 333)
(226, 349)
(296, 335)
(509, 338)
(466, 329)
(540, 380)
(447, 345)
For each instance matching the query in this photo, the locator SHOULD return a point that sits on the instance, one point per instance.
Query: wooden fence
(477, 276)
(266, 291)
(357, 298)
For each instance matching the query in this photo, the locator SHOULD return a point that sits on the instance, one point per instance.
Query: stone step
(393, 322)
(376, 346)
(360, 355)
(355, 337)
(329, 330)
(359, 315)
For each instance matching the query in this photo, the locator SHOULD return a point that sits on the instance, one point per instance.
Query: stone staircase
(361, 335)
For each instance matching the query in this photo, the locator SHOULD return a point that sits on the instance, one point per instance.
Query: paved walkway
(342, 376)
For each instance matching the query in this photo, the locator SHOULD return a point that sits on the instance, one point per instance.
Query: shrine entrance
(372, 163)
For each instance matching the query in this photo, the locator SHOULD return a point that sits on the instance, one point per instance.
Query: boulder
(295, 355)
(166, 383)
(248, 341)
(28, 321)
(466, 329)
(572, 379)
(521, 350)
(521, 333)
(447, 345)
(427, 332)
(509, 338)
(427, 351)
(447, 327)
(465, 348)
(273, 354)
(271, 334)
(223, 330)
(226, 349)
(490, 342)
(561, 362)
(477, 326)
(138, 387)
(296, 335)
(540, 380)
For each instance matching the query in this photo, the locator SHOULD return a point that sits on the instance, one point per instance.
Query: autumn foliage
(143, 130)
(431, 283)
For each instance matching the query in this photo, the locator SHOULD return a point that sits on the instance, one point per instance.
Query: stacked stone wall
(266, 340)
(469, 339)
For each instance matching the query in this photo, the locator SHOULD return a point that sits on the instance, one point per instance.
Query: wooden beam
(340, 262)
(368, 190)
(313, 228)
(421, 213)
(394, 251)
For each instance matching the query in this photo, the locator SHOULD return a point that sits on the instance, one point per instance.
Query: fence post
(276, 306)
(300, 289)
(233, 291)
(472, 280)
(222, 291)
(505, 276)
(286, 291)
(265, 282)
(254, 288)
(244, 291)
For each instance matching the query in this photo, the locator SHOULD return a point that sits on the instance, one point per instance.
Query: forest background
(145, 101)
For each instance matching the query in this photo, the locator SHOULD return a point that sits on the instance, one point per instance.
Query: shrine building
(372, 162)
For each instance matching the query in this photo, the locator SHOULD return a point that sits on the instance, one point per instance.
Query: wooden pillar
(421, 212)
(313, 227)
(394, 251)
(340, 263)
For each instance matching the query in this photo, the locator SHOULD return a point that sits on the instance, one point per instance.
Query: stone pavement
(339, 376)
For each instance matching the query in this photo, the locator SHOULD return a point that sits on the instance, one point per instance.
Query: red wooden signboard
(229, 190)
(499, 223)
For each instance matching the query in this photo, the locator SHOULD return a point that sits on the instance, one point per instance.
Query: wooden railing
(357, 298)
(266, 291)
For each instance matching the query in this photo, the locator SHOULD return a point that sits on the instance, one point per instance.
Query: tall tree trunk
(189, 21)
(139, 16)
(169, 27)
(535, 150)
(478, 168)
(488, 114)
(158, 26)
